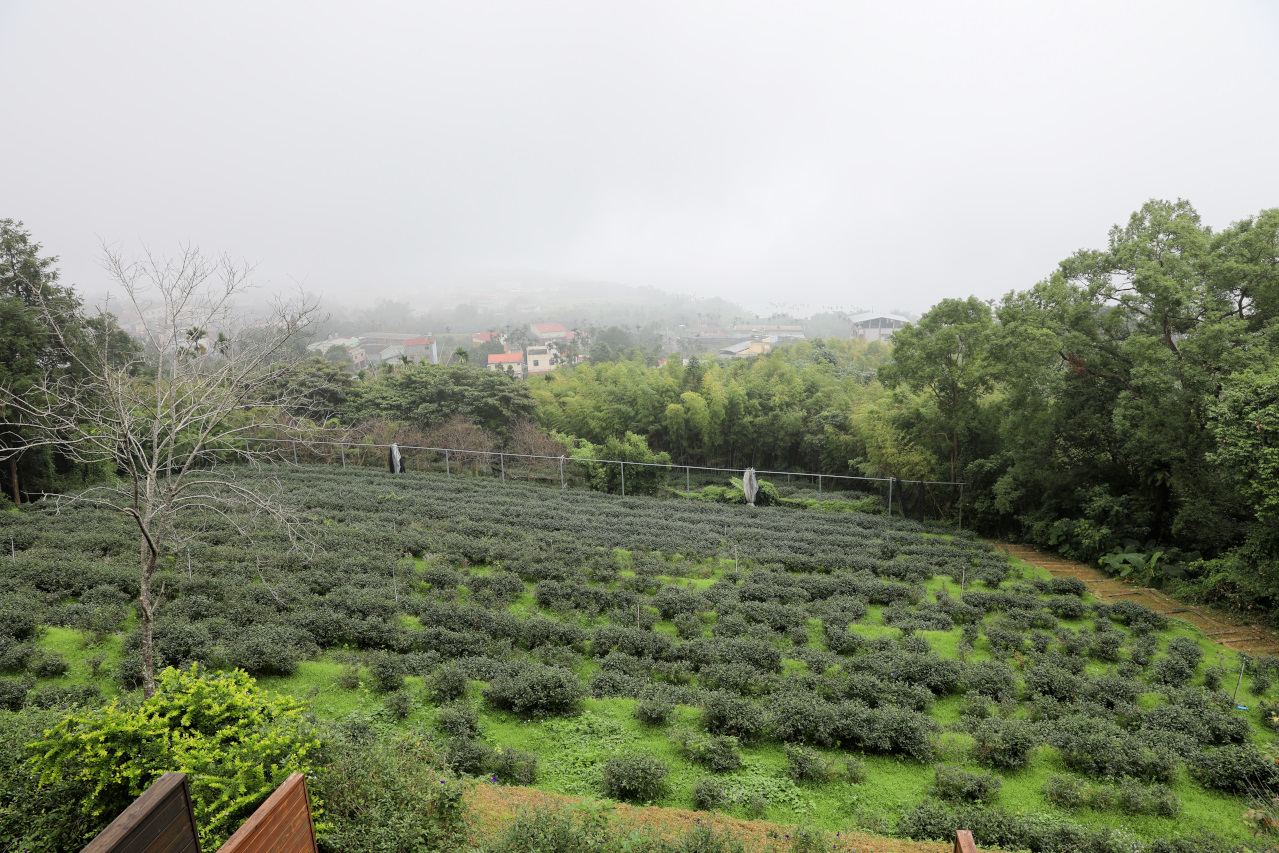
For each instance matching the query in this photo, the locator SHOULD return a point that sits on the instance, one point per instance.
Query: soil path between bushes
(494, 807)
(1220, 628)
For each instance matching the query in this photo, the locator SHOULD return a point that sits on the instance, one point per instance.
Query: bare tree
(459, 433)
(166, 420)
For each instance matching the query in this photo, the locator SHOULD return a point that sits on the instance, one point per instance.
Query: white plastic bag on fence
(750, 486)
(394, 461)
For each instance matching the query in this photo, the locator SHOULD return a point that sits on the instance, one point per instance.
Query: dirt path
(1253, 639)
(494, 807)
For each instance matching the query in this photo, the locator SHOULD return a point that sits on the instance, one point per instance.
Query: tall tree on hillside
(946, 355)
(163, 419)
(28, 350)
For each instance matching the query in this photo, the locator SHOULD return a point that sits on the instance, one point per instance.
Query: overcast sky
(802, 154)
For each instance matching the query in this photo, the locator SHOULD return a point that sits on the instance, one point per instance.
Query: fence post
(342, 450)
(890, 498)
(688, 486)
(819, 491)
(295, 453)
(562, 485)
(961, 506)
(502, 460)
(448, 471)
(623, 479)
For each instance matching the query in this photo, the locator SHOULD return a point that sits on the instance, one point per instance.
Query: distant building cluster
(371, 349)
(538, 348)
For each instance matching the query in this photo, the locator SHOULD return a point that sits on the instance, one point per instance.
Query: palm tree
(463, 355)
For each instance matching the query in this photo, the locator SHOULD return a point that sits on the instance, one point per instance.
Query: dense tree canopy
(1127, 400)
(427, 395)
(795, 407)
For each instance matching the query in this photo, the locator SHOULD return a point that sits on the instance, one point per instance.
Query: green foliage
(428, 395)
(644, 479)
(1237, 768)
(1004, 743)
(1071, 792)
(537, 690)
(458, 720)
(387, 672)
(955, 783)
(709, 793)
(806, 765)
(653, 708)
(39, 818)
(719, 753)
(636, 778)
(448, 683)
(237, 743)
(387, 795)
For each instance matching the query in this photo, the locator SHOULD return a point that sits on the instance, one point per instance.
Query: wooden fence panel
(280, 825)
(159, 821)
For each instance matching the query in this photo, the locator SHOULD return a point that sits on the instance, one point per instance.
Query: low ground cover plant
(777, 639)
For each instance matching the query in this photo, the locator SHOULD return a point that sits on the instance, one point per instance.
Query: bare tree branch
(162, 418)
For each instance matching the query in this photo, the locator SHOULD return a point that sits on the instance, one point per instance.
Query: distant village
(538, 348)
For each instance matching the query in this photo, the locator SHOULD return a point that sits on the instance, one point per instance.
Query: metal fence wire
(917, 499)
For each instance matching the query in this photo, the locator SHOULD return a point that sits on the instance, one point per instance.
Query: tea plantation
(835, 670)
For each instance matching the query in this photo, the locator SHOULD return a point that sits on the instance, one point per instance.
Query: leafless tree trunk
(205, 383)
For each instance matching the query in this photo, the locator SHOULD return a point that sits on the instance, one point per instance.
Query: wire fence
(918, 499)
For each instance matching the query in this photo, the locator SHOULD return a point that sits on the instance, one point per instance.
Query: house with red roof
(549, 331)
(422, 348)
(501, 360)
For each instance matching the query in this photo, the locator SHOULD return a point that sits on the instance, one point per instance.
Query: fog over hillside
(847, 155)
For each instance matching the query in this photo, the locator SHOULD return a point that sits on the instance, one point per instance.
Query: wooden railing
(280, 825)
(159, 821)
(162, 821)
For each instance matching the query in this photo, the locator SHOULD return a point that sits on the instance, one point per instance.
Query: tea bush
(1004, 743)
(448, 683)
(635, 778)
(717, 752)
(654, 707)
(955, 783)
(513, 766)
(726, 714)
(537, 690)
(709, 793)
(1235, 769)
(806, 765)
(458, 720)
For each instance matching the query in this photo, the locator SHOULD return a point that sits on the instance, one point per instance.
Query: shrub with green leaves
(1003, 743)
(237, 744)
(956, 783)
(726, 714)
(806, 765)
(537, 690)
(709, 792)
(387, 671)
(513, 766)
(449, 682)
(654, 707)
(387, 795)
(635, 778)
(457, 719)
(1235, 769)
(718, 752)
